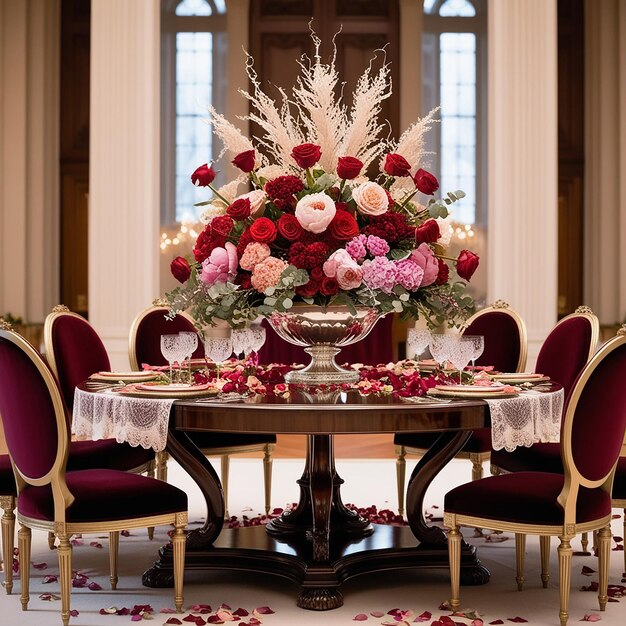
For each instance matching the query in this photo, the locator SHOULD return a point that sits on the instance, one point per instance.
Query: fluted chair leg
(65, 575)
(267, 477)
(150, 473)
(400, 476)
(161, 465)
(454, 555)
(604, 553)
(225, 475)
(584, 542)
(544, 547)
(520, 555)
(23, 541)
(7, 503)
(114, 548)
(51, 541)
(477, 466)
(565, 566)
(178, 545)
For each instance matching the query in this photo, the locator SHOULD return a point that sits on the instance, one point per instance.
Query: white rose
(257, 202)
(211, 211)
(445, 231)
(315, 212)
(371, 198)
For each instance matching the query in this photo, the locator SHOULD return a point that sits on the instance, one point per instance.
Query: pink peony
(335, 260)
(315, 212)
(220, 266)
(371, 198)
(267, 273)
(427, 260)
(380, 274)
(254, 254)
(349, 276)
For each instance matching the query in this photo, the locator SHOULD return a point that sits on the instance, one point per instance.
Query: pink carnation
(254, 254)
(380, 274)
(356, 247)
(377, 246)
(409, 274)
(267, 273)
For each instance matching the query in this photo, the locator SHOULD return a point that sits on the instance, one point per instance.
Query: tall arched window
(454, 68)
(194, 50)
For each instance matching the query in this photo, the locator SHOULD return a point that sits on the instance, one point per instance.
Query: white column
(522, 170)
(410, 87)
(123, 167)
(29, 157)
(605, 159)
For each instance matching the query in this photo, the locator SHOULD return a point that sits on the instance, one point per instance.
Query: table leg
(200, 539)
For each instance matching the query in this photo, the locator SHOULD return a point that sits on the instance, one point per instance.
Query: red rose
(306, 154)
(466, 264)
(396, 165)
(349, 167)
(263, 230)
(329, 286)
(244, 161)
(206, 242)
(444, 273)
(239, 209)
(244, 240)
(309, 290)
(343, 226)
(428, 232)
(425, 182)
(244, 280)
(222, 225)
(289, 227)
(317, 273)
(203, 176)
(180, 268)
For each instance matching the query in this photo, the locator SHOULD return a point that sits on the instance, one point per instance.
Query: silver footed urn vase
(322, 332)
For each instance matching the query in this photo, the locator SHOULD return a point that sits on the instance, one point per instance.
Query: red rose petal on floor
(94, 586)
(95, 544)
(173, 620)
(40, 565)
(51, 578)
(424, 617)
(225, 606)
(376, 613)
(167, 609)
(264, 610)
(359, 617)
(517, 620)
(136, 618)
(497, 621)
(587, 571)
(445, 619)
(74, 613)
(241, 612)
(212, 619)
(191, 618)
(591, 617)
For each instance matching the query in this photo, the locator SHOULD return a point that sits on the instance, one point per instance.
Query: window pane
(457, 8)
(193, 7)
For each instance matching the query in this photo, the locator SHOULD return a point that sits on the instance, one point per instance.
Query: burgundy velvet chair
(550, 504)
(506, 349)
(8, 494)
(144, 347)
(66, 503)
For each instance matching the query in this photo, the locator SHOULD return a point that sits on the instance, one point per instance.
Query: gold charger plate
(479, 394)
(168, 392)
(127, 377)
(515, 378)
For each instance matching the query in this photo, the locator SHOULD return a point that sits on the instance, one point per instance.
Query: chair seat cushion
(210, 440)
(540, 457)
(7, 479)
(524, 497)
(480, 441)
(106, 454)
(105, 495)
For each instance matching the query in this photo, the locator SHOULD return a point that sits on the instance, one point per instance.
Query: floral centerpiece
(303, 221)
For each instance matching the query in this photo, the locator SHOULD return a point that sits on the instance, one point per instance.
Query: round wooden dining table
(320, 543)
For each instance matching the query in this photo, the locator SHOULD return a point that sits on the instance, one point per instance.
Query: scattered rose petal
(225, 606)
(95, 544)
(48, 597)
(496, 538)
(591, 617)
(173, 620)
(497, 621)
(93, 586)
(587, 571)
(40, 565)
(376, 613)
(191, 618)
(74, 613)
(136, 618)
(263, 610)
(125, 533)
(359, 617)
(445, 619)
(77, 541)
(167, 609)
(477, 622)
(50, 578)
(200, 608)
(517, 620)
(444, 606)
(212, 619)
(423, 617)
(253, 621)
(225, 615)
(241, 612)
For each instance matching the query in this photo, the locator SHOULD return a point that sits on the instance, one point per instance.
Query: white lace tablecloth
(138, 421)
(531, 417)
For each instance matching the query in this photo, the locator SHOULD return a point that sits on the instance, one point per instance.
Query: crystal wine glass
(190, 342)
(478, 344)
(418, 340)
(441, 346)
(257, 337)
(170, 348)
(241, 341)
(218, 349)
(460, 355)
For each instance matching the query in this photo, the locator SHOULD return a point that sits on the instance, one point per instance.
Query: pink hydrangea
(267, 273)
(254, 254)
(377, 246)
(409, 274)
(380, 273)
(356, 247)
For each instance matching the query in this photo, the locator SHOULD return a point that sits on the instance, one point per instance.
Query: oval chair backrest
(144, 341)
(74, 351)
(505, 338)
(595, 417)
(568, 348)
(32, 410)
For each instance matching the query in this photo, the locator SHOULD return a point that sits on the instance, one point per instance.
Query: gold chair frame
(566, 531)
(63, 498)
(224, 452)
(476, 458)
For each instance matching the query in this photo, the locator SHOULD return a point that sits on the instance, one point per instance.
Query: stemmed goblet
(241, 341)
(441, 346)
(257, 337)
(190, 342)
(478, 345)
(218, 349)
(170, 349)
(461, 354)
(418, 340)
